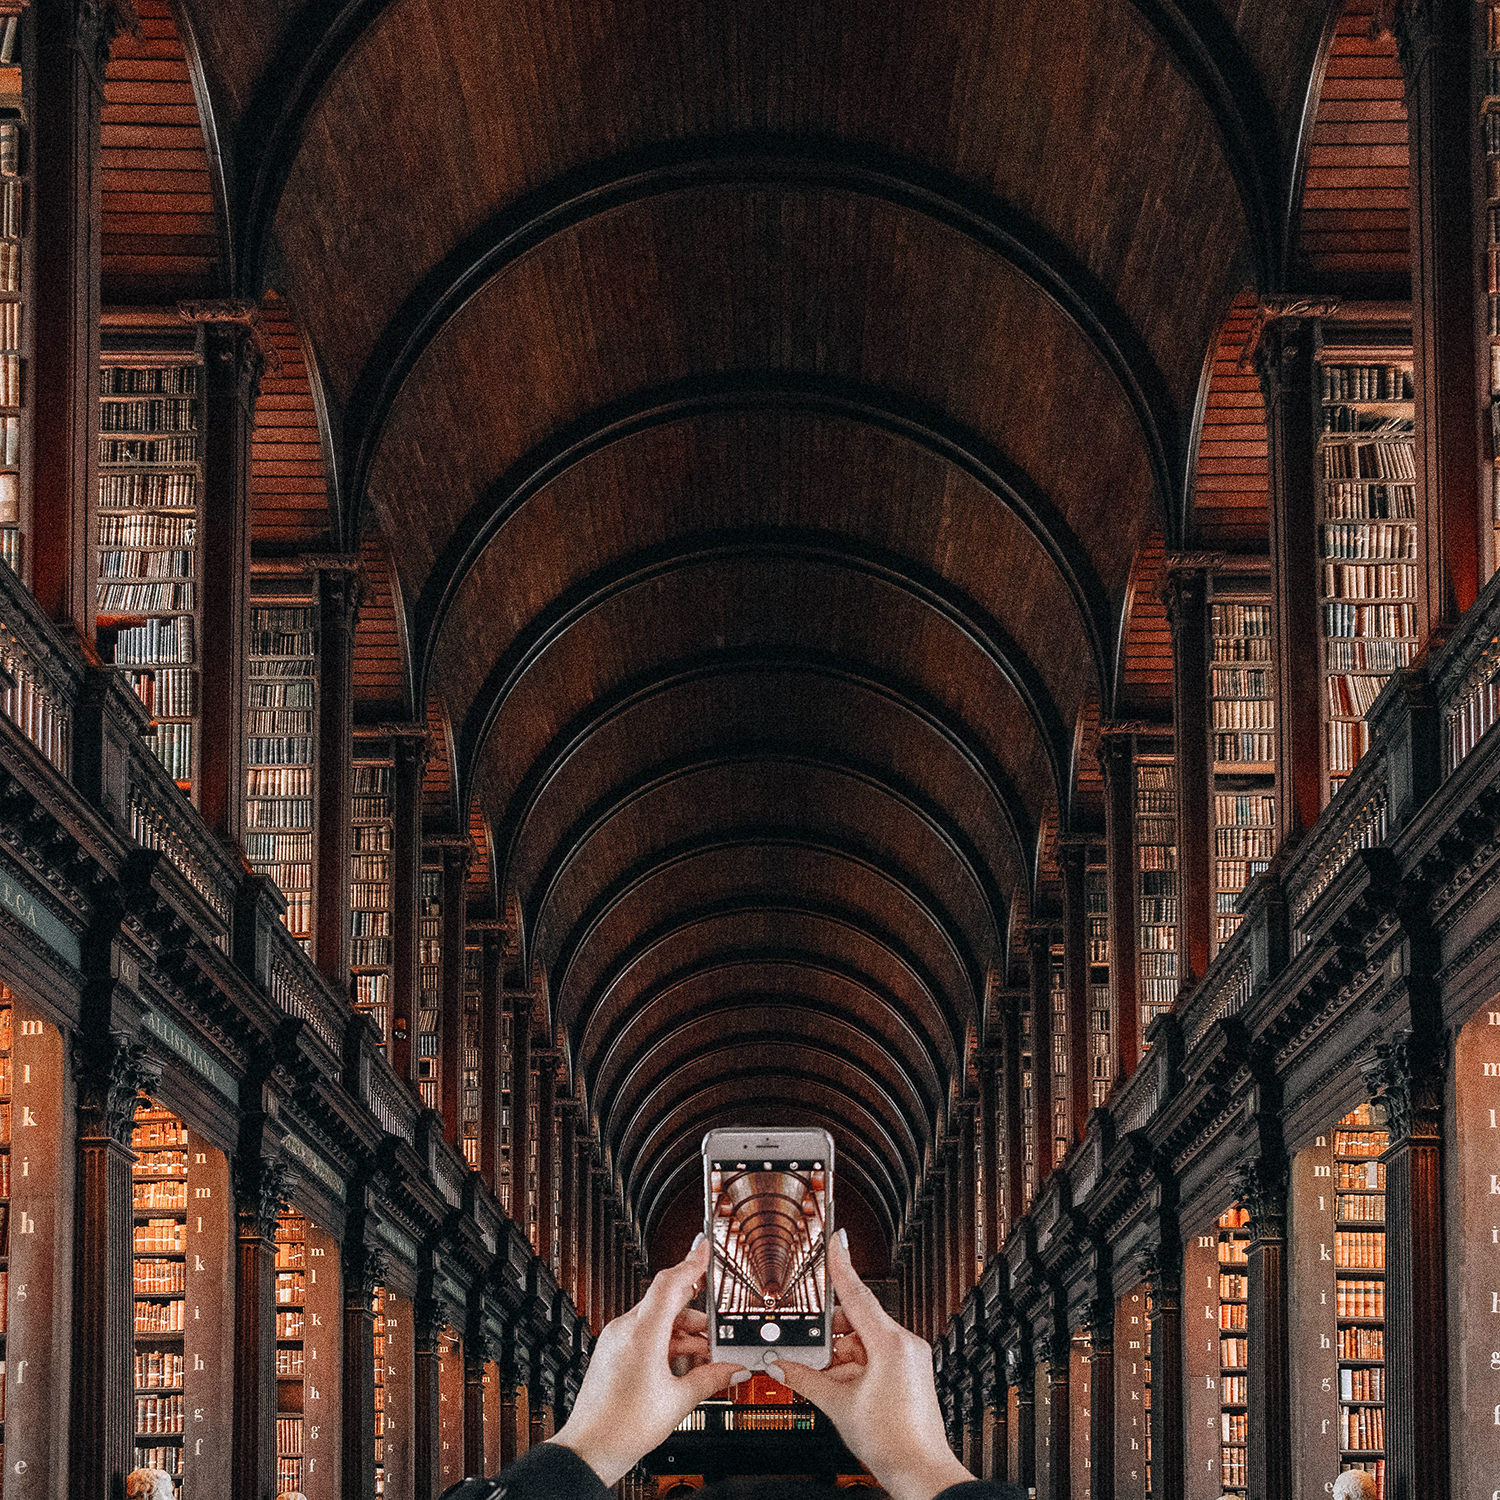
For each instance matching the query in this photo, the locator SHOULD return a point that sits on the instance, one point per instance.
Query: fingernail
(844, 1238)
(697, 1240)
(739, 1376)
(774, 1369)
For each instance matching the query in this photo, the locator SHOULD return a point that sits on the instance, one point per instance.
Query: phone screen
(770, 1273)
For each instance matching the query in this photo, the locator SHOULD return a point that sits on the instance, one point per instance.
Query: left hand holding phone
(630, 1400)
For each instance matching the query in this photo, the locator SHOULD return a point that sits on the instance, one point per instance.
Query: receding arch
(935, 819)
(736, 392)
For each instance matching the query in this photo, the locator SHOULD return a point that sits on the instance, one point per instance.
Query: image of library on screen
(768, 1230)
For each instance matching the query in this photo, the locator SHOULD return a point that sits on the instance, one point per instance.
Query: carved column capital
(1261, 1188)
(1161, 1265)
(364, 1270)
(478, 1352)
(110, 1076)
(1406, 1078)
(260, 1194)
(1278, 340)
(1183, 591)
(89, 27)
(1417, 28)
(236, 334)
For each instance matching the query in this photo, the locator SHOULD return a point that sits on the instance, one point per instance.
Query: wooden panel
(1356, 190)
(1230, 494)
(1147, 686)
(288, 483)
(380, 678)
(160, 225)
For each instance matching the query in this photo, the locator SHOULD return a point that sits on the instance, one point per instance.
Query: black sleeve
(547, 1472)
(981, 1489)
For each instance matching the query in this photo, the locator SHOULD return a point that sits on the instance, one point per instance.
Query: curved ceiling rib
(992, 777)
(923, 904)
(978, 626)
(888, 1193)
(573, 843)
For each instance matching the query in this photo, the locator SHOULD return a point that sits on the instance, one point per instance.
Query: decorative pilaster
(1262, 1192)
(260, 1184)
(1161, 1265)
(1101, 1332)
(457, 856)
(964, 1167)
(1072, 857)
(999, 1402)
(989, 1153)
(1023, 1371)
(1186, 595)
(477, 1354)
(1406, 1076)
(491, 1058)
(520, 1110)
(431, 1320)
(546, 1126)
(234, 357)
(109, 1074)
(364, 1270)
(1058, 1354)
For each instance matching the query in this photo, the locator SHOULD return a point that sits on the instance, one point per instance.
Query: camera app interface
(769, 1271)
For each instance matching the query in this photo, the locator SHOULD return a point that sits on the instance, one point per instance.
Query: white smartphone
(768, 1212)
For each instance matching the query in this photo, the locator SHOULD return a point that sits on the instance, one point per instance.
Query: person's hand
(880, 1392)
(630, 1401)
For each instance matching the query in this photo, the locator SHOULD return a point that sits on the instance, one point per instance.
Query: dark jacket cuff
(548, 1472)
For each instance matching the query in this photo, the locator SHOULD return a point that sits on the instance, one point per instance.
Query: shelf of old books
(1156, 883)
(1101, 1029)
(1489, 130)
(1234, 1325)
(7, 1078)
(280, 754)
(1057, 1086)
(291, 1359)
(1367, 539)
(469, 1095)
(1359, 1289)
(370, 900)
(146, 531)
(1028, 1105)
(430, 980)
(13, 215)
(379, 1362)
(503, 1187)
(1243, 703)
(159, 1205)
(1133, 1394)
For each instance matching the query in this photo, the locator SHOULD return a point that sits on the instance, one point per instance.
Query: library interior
(577, 572)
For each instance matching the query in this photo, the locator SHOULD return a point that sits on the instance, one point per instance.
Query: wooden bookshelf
(146, 529)
(15, 274)
(1489, 131)
(1242, 693)
(1234, 1336)
(470, 1083)
(281, 754)
(1132, 1396)
(507, 1134)
(1359, 1295)
(1368, 544)
(1028, 1104)
(7, 1094)
(1156, 885)
(159, 1206)
(371, 901)
(380, 1363)
(1058, 1104)
(1101, 1028)
(291, 1338)
(430, 979)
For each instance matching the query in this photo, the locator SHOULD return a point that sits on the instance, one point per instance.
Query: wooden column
(1434, 39)
(233, 360)
(1102, 1390)
(491, 1058)
(477, 1354)
(546, 1122)
(1026, 1423)
(953, 1201)
(1117, 762)
(1407, 1077)
(1286, 368)
(1012, 1144)
(339, 592)
(604, 1232)
(1072, 856)
(1163, 1269)
(515, 1417)
(567, 1262)
(457, 855)
(108, 1072)
(1060, 1425)
(73, 41)
(363, 1271)
(1262, 1191)
(968, 1229)
(259, 1185)
(410, 750)
(584, 1296)
(937, 1263)
(520, 1109)
(427, 1462)
(989, 1152)
(596, 1277)
(1039, 954)
(1000, 1440)
(1186, 595)
(921, 1320)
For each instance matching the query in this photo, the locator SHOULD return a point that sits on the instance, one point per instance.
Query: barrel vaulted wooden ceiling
(763, 422)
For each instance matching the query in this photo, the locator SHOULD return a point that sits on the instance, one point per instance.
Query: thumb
(707, 1379)
(819, 1388)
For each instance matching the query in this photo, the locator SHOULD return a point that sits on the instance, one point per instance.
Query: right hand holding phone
(879, 1391)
